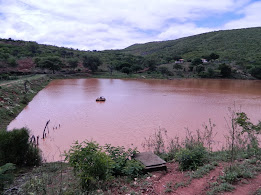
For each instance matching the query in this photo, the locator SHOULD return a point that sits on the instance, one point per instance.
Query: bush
(15, 148)
(95, 166)
(236, 172)
(123, 165)
(190, 158)
(177, 66)
(90, 163)
(256, 71)
(132, 168)
(225, 70)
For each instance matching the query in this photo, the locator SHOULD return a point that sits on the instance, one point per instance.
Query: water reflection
(134, 109)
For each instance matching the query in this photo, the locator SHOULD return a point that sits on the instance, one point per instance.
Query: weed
(123, 165)
(191, 157)
(156, 142)
(258, 192)
(91, 164)
(168, 187)
(223, 187)
(201, 171)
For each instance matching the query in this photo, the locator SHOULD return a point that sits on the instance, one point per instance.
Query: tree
(91, 62)
(136, 68)
(111, 68)
(126, 70)
(200, 68)
(214, 56)
(12, 62)
(177, 66)
(73, 62)
(210, 72)
(151, 63)
(196, 61)
(164, 70)
(225, 70)
(32, 47)
(52, 63)
(256, 72)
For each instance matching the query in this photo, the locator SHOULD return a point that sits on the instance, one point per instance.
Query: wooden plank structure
(151, 161)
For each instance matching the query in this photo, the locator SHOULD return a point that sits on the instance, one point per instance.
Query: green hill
(241, 45)
(238, 49)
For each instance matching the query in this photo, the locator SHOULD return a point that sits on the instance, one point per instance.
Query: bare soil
(53, 179)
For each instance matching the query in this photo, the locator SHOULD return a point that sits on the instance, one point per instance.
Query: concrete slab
(151, 161)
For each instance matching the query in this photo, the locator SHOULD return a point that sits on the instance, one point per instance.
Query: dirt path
(179, 183)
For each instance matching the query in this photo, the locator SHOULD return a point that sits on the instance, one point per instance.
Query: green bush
(15, 148)
(132, 168)
(235, 173)
(90, 163)
(123, 164)
(6, 175)
(190, 158)
(95, 164)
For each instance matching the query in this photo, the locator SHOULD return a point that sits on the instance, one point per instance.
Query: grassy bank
(14, 97)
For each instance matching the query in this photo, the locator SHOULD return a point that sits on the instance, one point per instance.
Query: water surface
(134, 109)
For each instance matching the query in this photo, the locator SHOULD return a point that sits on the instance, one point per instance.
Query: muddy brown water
(133, 110)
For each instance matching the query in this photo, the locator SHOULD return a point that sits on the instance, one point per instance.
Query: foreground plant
(96, 165)
(90, 163)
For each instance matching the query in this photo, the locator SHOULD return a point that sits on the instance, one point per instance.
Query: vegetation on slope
(238, 49)
(241, 45)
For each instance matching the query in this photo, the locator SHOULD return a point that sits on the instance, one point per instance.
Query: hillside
(241, 45)
(238, 54)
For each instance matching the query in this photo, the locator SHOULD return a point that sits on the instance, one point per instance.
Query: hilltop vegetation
(241, 45)
(238, 50)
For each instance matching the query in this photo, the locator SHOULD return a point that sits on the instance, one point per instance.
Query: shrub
(90, 163)
(225, 70)
(190, 158)
(132, 168)
(236, 172)
(15, 148)
(256, 72)
(123, 165)
(177, 66)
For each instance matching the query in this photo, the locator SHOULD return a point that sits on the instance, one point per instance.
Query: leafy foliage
(190, 158)
(95, 166)
(123, 165)
(225, 70)
(256, 71)
(91, 62)
(15, 148)
(223, 45)
(51, 63)
(90, 163)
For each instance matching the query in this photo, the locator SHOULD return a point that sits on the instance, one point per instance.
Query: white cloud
(182, 30)
(113, 24)
(252, 15)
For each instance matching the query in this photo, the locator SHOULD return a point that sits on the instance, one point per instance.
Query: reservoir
(133, 110)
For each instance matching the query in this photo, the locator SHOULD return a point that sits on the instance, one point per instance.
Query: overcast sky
(116, 24)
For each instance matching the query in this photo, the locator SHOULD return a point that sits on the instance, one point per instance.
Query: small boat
(101, 98)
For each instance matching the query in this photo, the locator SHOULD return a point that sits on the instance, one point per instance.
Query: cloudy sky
(116, 24)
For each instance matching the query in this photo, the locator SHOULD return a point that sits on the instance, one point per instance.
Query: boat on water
(100, 99)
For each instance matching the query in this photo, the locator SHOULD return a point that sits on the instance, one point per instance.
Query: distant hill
(238, 51)
(240, 45)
